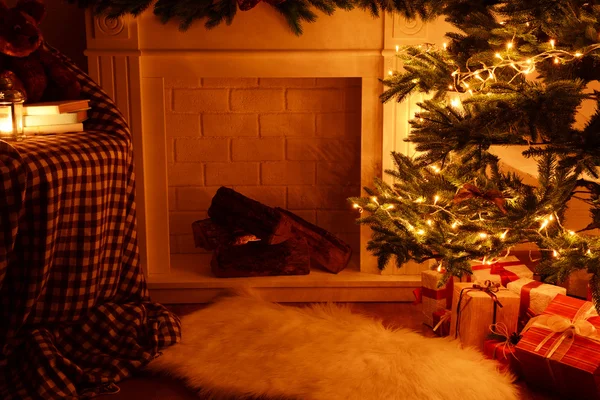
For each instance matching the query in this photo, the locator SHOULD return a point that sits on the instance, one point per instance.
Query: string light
(390, 207)
(483, 235)
(572, 233)
(555, 253)
(436, 198)
(455, 102)
(497, 55)
(390, 72)
(429, 222)
(359, 208)
(397, 48)
(578, 54)
(503, 236)
(420, 232)
(436, 169)
(509, 45)
(445, 45)
(552, 43)
(374, 200)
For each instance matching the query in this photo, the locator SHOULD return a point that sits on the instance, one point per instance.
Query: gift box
(441, 322)
(503, 352)
(435, 298)
(503, 270)
(535, 297)
(560, 349)
(476, 307)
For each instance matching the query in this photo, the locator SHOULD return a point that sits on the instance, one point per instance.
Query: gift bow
(567, 328)
(500, 329)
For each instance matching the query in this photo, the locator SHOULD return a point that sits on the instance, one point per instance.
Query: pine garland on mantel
(296, 12)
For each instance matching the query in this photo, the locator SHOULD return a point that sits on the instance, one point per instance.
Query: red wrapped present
(560, 349)
(441, 322)
(502, 352)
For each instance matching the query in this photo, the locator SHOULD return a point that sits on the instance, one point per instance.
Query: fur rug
(242, 346)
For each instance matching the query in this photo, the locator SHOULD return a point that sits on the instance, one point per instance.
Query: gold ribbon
(567, 328)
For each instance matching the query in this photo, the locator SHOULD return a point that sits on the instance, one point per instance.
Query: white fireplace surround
(131, 58)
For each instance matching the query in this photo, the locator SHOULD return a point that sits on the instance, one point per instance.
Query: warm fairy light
(527, 24)
(420, 232)
(397, 48)
(555, 253)
(529, 61)
(454, 224)
(436, 169)
(556, 61)
(455, 102)
(415, 80)
(429, 222)
(390, 207)
(374, 200)
(483, 235)
(466, 85)
(572, 233)
(355, 205)
(502, 22)
(588, 252)
(552, 43)
(436, 198)
(470, 92)
(445, 45)
(578, 54)
(419, 200)
(390, 72)
(550, 217)
(439, 268)
(497, 55)
(509, 45)
(503, 236)
(544, 224)
(450, 87)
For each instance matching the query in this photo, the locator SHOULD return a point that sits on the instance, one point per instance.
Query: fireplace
(292, 121)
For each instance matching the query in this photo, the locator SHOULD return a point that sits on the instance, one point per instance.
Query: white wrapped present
(436, 298)
(535, 296)
(502, 270)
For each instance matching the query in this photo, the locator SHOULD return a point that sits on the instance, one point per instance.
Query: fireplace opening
(293, 143)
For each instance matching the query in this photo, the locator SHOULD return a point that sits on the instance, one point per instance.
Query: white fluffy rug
(242, 346)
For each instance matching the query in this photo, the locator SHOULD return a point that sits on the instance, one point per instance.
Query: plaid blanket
(74, 308)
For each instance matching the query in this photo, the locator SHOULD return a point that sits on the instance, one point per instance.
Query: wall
(287, 142)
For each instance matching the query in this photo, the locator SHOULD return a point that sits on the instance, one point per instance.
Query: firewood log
(234, 210)
(208, 235)
(326, 249)
(260, 259)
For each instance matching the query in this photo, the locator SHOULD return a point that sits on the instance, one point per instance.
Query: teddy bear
(27, 61)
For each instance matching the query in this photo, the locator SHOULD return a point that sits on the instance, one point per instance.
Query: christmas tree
(513, 73)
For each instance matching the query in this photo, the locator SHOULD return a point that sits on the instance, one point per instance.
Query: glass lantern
(11, 111)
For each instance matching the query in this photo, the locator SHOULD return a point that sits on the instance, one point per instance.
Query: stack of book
(55, 117)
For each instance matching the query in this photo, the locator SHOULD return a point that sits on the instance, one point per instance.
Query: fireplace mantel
(132, 58)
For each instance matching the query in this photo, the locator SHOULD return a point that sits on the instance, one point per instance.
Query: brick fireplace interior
(286, 142)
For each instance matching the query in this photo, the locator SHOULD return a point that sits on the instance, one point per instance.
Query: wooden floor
(392, 314)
